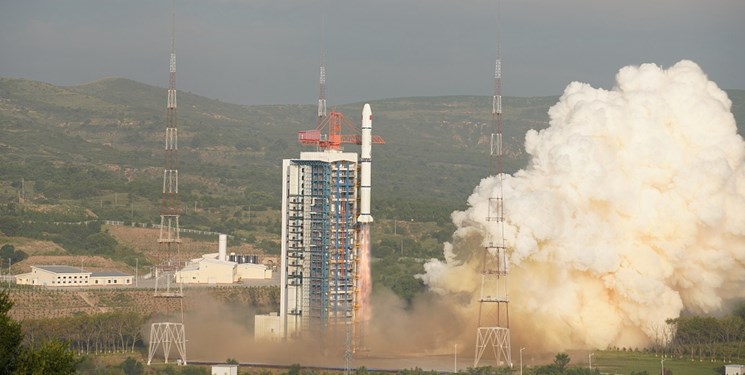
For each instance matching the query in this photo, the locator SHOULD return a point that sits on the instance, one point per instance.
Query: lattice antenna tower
(166, 334)
(169, 239)
(493, 329)
(322, 79)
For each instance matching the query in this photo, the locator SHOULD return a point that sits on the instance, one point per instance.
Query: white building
(63, 276)
(207, 271)
(113, 278)
(266, 327)
(734, 370)
(246, 271)
(225, 369)
(215, 268)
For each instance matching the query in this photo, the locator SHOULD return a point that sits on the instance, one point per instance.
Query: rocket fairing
(366, 166)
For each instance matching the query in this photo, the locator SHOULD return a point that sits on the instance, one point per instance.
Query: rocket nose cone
(367, 112)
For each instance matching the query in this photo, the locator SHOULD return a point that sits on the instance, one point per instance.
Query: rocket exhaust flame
(364, 284)
(631, 211)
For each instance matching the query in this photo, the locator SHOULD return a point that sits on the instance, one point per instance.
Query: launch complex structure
(163, 335)
(493, 330)
(326, 218)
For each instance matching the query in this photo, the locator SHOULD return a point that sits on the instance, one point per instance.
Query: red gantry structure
(333, 138)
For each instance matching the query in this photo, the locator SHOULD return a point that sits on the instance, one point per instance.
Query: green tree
(561, 361)
(582, 371)
(51, 358)
(9, 251)
(294, 369)
(740, 311)
(10, 336)
(131, 366)
(100, 243)
(10, 225)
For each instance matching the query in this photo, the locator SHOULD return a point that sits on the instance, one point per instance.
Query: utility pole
(590, 356)
(455, 359)
(521, 360)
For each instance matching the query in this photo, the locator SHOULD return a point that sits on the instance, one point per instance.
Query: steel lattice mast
(166, 334)
(169, 240)
(322, 89)
(493, 330)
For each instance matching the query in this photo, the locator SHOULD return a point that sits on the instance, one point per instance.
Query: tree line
(706, 337)
(115, 332)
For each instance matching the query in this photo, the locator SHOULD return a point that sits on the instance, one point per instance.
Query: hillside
(95, 151)
(108, 134)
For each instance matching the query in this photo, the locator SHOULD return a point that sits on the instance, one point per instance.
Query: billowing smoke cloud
(631, 210)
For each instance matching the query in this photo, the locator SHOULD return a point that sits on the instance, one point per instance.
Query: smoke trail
(631, 210)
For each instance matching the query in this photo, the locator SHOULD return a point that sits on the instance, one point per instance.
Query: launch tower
(493, 330)
(165, 334)
(325, 207)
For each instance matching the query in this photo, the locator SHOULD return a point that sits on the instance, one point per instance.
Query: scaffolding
(320, 242)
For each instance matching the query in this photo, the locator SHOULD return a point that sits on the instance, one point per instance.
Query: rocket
(366, 166)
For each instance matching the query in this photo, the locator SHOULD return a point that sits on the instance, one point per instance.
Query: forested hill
(107, 136)
(89, 141)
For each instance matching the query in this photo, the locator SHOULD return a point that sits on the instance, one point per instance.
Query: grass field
(615, 362)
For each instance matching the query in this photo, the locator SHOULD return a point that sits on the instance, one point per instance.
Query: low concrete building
(64, 276)
(54, 276)
(113, 278)
(253, 271)
(734, 370)
(207, 271)
(266, 327)
(225, 369)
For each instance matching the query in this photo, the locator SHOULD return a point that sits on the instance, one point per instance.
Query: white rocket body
(366, 166)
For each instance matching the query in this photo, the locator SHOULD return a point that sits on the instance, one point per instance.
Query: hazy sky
(268, 51)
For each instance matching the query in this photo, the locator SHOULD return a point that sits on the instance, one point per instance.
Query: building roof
(61, 269)
(108, 274)
(252, 265)
(190, 267)
(218, 262)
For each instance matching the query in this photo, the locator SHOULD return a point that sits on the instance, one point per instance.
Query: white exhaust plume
(631, 210)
